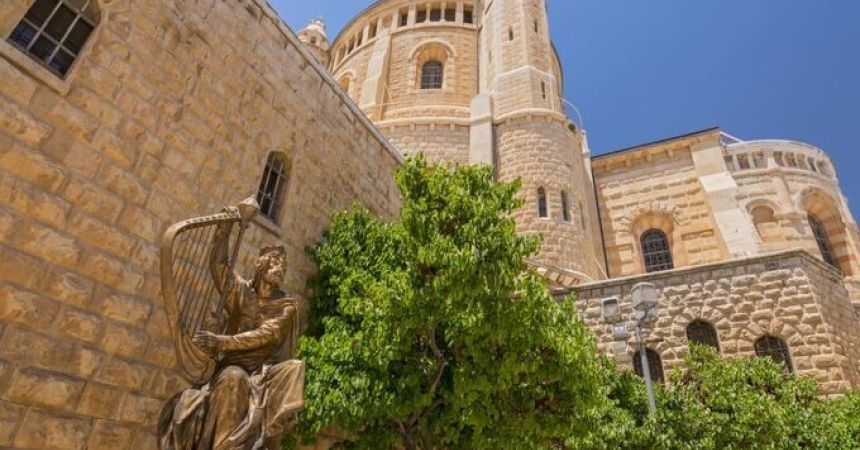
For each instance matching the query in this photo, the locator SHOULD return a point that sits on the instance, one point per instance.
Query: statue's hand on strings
(209, 342)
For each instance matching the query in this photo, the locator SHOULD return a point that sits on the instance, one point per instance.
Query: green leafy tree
(715, 403)
(431, 332)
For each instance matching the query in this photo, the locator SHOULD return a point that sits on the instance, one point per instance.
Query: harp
(192, 299)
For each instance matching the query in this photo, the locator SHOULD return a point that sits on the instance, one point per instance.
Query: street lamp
(644, 297)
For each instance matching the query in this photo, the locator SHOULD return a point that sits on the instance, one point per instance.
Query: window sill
(33, 68)
(268, 226)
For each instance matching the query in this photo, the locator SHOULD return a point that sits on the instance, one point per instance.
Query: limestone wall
(439, 143)
(170, 112)
(794, 180)
(544, 153)
(790, 295)
(656, 187)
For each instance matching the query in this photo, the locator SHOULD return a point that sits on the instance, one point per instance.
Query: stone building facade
(141, 113)
(706, 216)
(473, 82)
(170, 111)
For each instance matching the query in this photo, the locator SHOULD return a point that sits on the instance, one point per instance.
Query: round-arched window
(656, 251)
(775, 349)
(655, 365)
(432, 75)
(822, 240)
(703, 333)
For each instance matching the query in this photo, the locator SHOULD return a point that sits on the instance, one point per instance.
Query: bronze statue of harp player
(230, 336)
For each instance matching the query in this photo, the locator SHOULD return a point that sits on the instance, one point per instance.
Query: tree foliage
(433, 333)
(716, 403)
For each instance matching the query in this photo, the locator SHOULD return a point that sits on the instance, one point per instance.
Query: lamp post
(644, 297)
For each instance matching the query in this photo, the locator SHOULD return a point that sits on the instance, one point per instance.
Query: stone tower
(497, 100)
(315, 38)
(529, 136)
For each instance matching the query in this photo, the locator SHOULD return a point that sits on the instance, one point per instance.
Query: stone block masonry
(170, 112)
(789, 295)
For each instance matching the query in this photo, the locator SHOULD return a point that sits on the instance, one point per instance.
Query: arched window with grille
(775, 349)
(273, 185)
(432, 74)
(656, 251)
(703, 333)
(655, 365)
(54, 32)
(823, 242)
(543, 211)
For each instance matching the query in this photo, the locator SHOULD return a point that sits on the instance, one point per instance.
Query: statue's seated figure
(253, 394)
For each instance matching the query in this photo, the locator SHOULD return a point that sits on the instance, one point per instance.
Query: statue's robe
(254, 393)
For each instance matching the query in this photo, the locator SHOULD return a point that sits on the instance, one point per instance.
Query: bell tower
(519, 125)
(316, 40)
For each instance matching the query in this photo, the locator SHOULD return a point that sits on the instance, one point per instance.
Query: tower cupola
(315, 38)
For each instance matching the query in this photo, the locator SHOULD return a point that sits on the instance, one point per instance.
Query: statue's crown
(280, 249)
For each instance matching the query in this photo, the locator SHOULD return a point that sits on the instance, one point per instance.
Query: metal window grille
(272, 187)
(450, 15)
(822, 241)
(432, 75)
(655, 365)
(541, 203)
(53, 32)
(656, 251)
(775, 349)
(703, 333)
(565, 207)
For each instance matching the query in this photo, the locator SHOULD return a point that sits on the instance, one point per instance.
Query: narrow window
(273, 184)
(435, 15)
(812, 165)
(404, 18)
(543, 89)
(655, 365)
(373, 30)
(703, 333)
(536, 26)
(565, 207)
(359, 39)
(743, 162)
(510, 34)
(421, 16)
(759, 160)
(775, 349)
(432, 75)
(541, 203)
(777, 157)
(823, 242)
(656, 252)
(53, 32)
(450, 15)
(467, 15)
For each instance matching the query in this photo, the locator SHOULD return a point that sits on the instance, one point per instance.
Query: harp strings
(182, 267)
(199, 276)
(195, 285)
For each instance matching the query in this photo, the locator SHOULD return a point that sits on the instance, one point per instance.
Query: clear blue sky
(641, 70)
